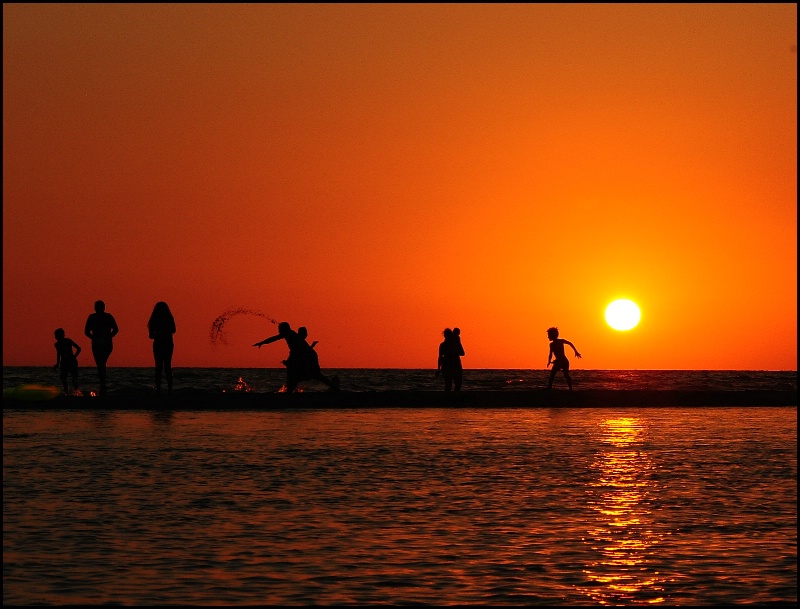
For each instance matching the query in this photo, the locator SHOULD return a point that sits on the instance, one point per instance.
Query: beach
(260, 389)
(240, 400)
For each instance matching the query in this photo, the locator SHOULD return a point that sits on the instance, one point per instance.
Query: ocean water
(264, 380)
(561, 506)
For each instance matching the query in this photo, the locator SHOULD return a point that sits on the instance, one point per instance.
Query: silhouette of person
(160, 328)
(559, 358)
(457, 339)
(303, 362)
(67, 358)
(101, 328)
(449, 362)
(302, 332)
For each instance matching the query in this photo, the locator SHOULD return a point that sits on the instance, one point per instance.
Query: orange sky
(380, 172)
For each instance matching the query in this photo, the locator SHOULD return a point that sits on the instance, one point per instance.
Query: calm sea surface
(560, 506)
(140, 380)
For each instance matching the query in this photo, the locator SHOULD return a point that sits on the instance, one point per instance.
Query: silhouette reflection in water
(622, 537)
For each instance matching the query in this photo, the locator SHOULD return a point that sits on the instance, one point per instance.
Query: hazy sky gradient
(380, 172)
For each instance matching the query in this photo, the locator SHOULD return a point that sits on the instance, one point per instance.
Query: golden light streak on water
(622, 536)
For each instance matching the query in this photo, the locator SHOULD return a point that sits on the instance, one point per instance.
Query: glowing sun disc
(623, 314)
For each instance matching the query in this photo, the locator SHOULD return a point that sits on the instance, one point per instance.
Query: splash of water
(217, 327)
(241, 386)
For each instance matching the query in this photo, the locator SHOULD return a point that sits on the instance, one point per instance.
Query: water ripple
(559, 507)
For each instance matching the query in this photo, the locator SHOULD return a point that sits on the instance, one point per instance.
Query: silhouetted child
(457, 339)
(560, 361)
(302, 333)
(67, 358)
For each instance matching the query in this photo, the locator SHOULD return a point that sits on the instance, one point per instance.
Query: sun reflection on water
(622, 538)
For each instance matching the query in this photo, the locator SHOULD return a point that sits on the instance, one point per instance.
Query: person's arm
(78, 347)
(550, 355)
(58, 356)
(114, 328)
(314, 344)
(578, 355)
(87, 329)
(267, 341)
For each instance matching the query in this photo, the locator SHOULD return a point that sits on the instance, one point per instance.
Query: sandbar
(589, 398)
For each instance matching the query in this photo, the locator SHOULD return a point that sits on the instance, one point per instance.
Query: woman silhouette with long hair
(161, 327)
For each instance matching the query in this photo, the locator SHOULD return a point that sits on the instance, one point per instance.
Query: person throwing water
(302, 363)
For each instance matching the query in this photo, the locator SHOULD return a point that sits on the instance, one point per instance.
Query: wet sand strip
(590, 398)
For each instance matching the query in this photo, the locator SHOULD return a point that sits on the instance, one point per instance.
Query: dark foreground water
(392, 506)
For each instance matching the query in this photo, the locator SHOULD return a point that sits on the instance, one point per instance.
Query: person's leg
(448, 380)
(101, 354)
(292, 379)
(567, 376)
(64, 379)
(332, 383)
(159, 364)
(73, 371)
(168, 366)
(552, 377)
(457, 380)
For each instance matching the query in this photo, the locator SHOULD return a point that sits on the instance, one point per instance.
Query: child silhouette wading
(558, 357)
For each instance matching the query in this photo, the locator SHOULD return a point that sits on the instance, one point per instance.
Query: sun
(623, 314)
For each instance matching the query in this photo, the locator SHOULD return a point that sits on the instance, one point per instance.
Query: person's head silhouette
(552, 333)
(99, 306)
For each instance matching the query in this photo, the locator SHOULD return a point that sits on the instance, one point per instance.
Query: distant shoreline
(555, 398)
